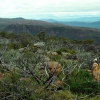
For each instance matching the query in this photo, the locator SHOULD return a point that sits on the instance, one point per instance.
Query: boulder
(39, 44)
(96, 71)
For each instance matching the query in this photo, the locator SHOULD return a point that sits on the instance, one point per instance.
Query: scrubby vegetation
(43, 67)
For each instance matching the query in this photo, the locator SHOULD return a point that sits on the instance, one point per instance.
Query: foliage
(80, 81)
(87, 41)
(14, 45)
(60, 50)
(21, 64)
(3, 34)
(42, 35)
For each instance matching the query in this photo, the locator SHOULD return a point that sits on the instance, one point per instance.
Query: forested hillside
(4, 22)
(57, 31)
(43, 67)
(20, 25)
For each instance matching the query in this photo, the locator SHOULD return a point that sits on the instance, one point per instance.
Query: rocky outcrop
(96, 71)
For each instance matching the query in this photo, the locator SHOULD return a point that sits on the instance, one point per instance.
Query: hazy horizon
(50, 9)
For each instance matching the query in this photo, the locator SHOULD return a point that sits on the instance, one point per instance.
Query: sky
(38, 9)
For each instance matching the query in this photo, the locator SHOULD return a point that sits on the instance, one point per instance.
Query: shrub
(42, 35)
(14, 45)
(81, 82)
(60, 50)
(3, 34)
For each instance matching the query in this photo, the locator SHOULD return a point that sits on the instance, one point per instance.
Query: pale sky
(49, 8)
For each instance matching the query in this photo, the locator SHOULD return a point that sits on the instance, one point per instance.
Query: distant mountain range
(92, 22)
(83, 24)
(56, 29)
(71, 19)
(19, 18)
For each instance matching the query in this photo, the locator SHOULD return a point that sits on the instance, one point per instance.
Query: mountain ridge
(56, 29)
(4, 22)
(76, 33)
(95, 24)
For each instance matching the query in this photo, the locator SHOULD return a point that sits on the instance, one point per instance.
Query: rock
(96, 71)
(39, 44)
(52, 53)
(54, 67)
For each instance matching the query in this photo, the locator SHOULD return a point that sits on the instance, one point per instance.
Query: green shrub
(3, 34)
(60, 50)
(81, 82)
(42, 35)
(14, 45)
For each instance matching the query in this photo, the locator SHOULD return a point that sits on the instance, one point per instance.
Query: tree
(42, 36)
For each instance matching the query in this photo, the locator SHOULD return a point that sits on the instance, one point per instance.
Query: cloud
(31, 8)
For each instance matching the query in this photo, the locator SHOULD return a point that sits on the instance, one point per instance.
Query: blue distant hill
(92, 22)
(19, 18)
(83, 24)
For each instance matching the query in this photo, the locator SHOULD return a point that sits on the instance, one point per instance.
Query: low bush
(60, 50)
(80, 81)
(14, 45)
